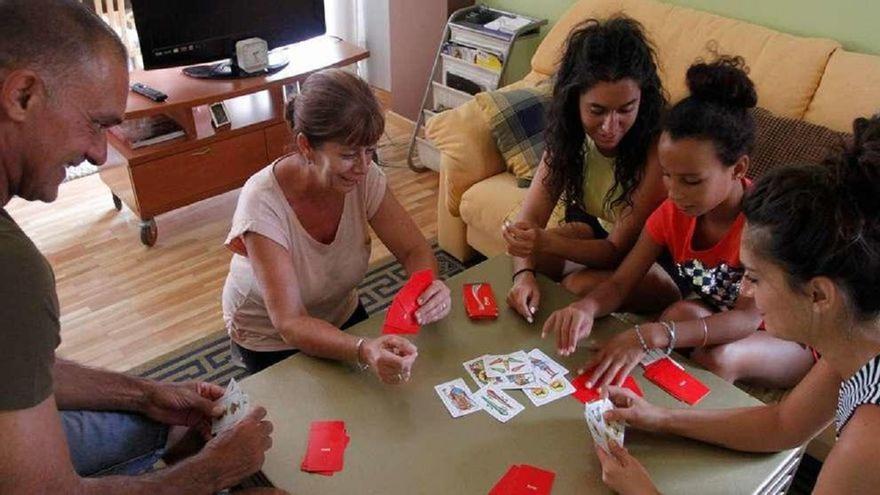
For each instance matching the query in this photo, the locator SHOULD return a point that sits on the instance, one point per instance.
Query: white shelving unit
(470, 59)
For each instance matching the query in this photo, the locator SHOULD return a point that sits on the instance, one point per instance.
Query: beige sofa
(802, 78)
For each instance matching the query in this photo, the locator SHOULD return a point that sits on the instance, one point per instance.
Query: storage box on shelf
(470, 59)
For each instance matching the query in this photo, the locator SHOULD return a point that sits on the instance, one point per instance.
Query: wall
(378, 40)
(854, 23)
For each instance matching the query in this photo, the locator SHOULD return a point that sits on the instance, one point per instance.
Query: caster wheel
(149, 232)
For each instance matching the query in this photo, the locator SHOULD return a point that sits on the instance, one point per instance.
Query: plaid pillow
(517, 119)
(784, 141)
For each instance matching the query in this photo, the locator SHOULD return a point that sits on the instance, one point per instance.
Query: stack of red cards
(326, 449)
(401, 316)
(524, 479)
(479, 301)
(671, 377)
(586, 394)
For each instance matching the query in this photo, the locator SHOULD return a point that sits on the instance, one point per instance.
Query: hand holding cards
(601, 430)
(236, 405)
(401, 316)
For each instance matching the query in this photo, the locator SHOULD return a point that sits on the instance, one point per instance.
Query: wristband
(524, 270)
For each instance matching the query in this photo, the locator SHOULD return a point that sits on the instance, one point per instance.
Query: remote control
(151, 93)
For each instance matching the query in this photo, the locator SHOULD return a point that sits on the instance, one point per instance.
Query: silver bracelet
(361, 366)
(641, 339)
(670, 330)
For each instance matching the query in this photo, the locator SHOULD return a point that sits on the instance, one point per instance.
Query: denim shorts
(102, 443)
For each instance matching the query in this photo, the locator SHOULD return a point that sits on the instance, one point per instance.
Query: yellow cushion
(850, 88)
(786, 69)
(469, 153)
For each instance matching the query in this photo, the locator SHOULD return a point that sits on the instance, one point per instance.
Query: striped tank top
(862, 388)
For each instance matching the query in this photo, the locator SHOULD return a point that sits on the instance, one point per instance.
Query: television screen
(185, 32)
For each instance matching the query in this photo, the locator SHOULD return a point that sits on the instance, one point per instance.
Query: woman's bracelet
(361, 366)
(670, 330)
(641, 339)
(705, 332)
(523, 270)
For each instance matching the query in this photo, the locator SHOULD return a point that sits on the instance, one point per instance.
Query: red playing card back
(401, 316)
(586, 394)
(676, 381)
(479, 301)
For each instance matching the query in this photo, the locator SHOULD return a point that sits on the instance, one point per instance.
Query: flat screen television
(185, 32)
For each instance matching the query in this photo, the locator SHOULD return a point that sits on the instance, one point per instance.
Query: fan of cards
(601, 430)
(540, 378)
(236, 405)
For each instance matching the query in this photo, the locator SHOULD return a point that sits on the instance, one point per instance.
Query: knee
(683, 311)
(722, 360)
(582, 282)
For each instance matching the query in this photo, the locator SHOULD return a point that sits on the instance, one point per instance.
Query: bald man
(63, 82)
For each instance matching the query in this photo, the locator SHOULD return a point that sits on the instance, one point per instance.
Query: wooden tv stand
(162, 177)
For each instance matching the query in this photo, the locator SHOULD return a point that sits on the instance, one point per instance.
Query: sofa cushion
(786, 69)
(517, 119)
(784, 141)
(850, 88)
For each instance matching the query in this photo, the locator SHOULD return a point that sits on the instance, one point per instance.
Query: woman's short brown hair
(335, 105)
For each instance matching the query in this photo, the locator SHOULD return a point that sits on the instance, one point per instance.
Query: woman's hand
(571, 324)
(523, 239)
(615, 360)
(635, 411)
(525, 296)
(390, 357)
(622, 472)
(434, 303)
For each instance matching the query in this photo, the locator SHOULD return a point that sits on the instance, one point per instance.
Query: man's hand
(239, 451)
(182, 404)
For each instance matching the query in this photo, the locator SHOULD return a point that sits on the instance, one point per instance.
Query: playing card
(548, 392)
(498, 404)
(671, 377)
(524, 479)
(521, 381)
(479, 301)
(476, 369)
(400, 318)
(546, 369)
(457, 398)
(514, 363)
(236, 405)
(326, 448)
(603, 431)
(585, 394)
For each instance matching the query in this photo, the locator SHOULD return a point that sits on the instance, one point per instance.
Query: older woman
(301, 239)
(812, 255)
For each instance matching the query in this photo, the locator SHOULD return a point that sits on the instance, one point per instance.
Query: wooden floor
(122, 303)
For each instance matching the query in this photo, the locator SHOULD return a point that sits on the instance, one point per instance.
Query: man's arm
(35, 458)
(80, 387)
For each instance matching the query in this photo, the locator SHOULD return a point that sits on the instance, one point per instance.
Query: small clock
(252, 54)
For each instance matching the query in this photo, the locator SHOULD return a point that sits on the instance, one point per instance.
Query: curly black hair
(717, 108)
(602, 51)
(824, 220)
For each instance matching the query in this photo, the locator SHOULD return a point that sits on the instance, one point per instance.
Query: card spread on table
(548, 392)
(515, 363)
(521, 381)
(401, 315)
(601, 430)
(585, 394)
(477, 370)
(671, 377)
(523, 479)
(457, 398)
(236, 405)
(479, 301)
(498, 404)
(546, 369)
(325, 452)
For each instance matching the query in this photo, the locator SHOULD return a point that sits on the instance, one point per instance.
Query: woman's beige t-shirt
(327, 274)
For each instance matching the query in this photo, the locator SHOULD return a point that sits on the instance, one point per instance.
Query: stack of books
(137, 133)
